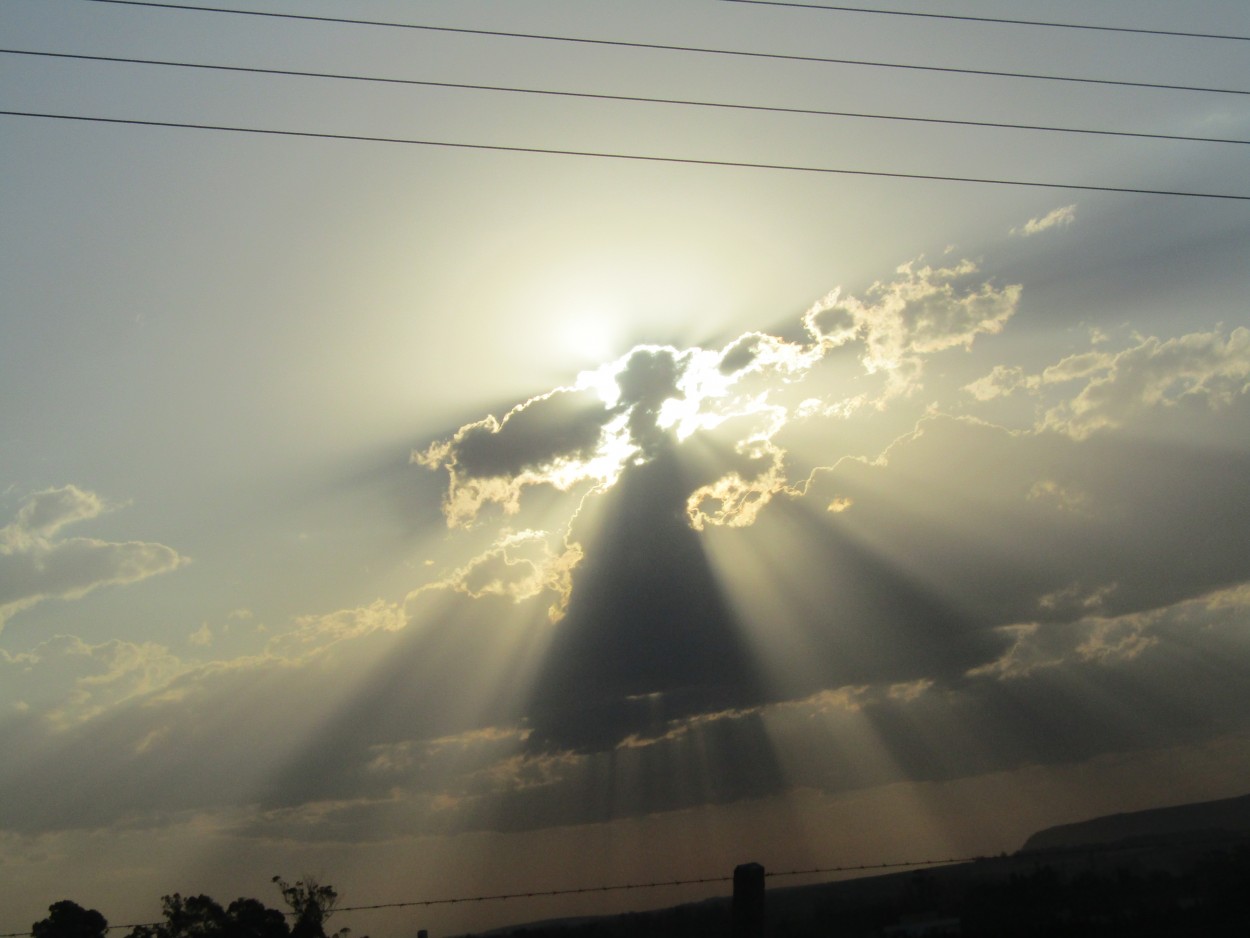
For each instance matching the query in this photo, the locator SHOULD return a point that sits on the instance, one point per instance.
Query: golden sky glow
(458, 521)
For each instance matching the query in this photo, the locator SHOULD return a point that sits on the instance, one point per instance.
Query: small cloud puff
(1055, 219)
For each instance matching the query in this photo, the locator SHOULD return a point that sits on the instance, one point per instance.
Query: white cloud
(35, 564)
(1116, 640)
(313, 634)
(44, 513)
(1055, 219)
(739, 398)
(926, 310)
(1155, 373)
(1204, 367)
(68, 681)
(519, 566)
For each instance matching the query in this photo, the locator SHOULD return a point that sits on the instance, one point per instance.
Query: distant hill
(992, 893)
(1224, 817)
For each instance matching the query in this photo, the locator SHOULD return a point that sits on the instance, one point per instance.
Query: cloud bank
(704, 575)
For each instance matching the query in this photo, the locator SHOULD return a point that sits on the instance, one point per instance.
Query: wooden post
(748, 903)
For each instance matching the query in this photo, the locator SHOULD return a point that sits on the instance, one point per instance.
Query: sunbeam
(514, 475)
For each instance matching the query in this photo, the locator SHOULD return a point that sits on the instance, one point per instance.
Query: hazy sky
(446, 522)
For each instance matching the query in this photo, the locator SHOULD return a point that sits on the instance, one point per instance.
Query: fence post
(747, 911)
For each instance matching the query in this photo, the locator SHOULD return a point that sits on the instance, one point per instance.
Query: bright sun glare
(590, 335)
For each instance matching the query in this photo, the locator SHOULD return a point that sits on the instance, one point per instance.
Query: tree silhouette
(311, 904)
(192, 917)
(70, 920)
(203, 917)
(252, 919)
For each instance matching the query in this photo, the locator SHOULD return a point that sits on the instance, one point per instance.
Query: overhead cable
(583, 890)
(707, 50)
(634, 157)
(595, 96)
(620, 887)
(964, 18)
(1077, 850)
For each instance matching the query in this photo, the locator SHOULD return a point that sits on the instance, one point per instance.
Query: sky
(445, 522)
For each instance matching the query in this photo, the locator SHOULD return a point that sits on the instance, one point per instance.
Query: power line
(537, 894)
(618, 43)
(636, 157)
(994, 19)
(1080, 850)
(583, 890)
(595, 96)
(849, 868)
(619, 887)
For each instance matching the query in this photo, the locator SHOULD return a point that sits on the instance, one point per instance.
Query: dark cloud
(271, 731)
(834, 321)
(740, 354)
(563, 424)
(699, 625)
(648, 379)
(1020, 526)
(956, 613)
(649, 635)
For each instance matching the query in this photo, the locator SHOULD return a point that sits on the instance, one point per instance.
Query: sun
(590, 334)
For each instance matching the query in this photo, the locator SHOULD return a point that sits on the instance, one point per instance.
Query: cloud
(1058, 519)
(717, 574)
(1056, 218)
(66, 681)
(903, 568)
(44, 513)
(35, 563)
(519, 566)
(736, 499)
(1199, 369)
(738, 397)
(1215, 617)
(373, 723)
(926, 310)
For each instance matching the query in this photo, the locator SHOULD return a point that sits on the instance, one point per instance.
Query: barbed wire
(1037, 855)
(584, 890)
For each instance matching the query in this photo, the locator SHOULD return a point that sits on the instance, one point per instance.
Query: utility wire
(636, 157)
(617, 43)
(586, 95)
(864, 867)
(536, 894)
(1081, 850)
(994, 19)
(583, 890)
